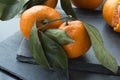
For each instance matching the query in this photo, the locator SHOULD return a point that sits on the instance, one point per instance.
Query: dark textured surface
(5, 77)
(8, 53)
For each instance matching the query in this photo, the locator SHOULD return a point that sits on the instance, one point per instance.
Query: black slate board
(8, 62)
(87, 62)
(25, 71)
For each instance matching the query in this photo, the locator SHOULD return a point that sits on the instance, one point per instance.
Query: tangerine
(87, 4)
(51, 3)
(38, 13)
(111, 13)
(77, 32)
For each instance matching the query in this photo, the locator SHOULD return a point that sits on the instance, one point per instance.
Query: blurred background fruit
(87, 4)
(111, 13)
(50, 3)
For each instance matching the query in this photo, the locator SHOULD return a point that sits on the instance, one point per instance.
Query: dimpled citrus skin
(87, 4)
(38, 13)
(78, 33)
(111, 13)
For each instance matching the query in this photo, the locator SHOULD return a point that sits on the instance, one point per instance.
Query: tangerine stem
(66, 22)
(45, 21)
(50, 21)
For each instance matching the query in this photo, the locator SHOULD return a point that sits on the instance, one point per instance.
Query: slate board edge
(75, 65)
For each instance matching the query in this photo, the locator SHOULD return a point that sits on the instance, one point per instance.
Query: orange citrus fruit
(87, 4)
(111, 13)
(38, 13)
(79, 34)
(51, 3)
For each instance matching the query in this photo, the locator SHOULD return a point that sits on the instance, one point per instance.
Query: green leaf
(37, 49)
(2, 6)
(59, 36)
(55, 54)
(102, 55)
(10, 9)
(67, 7)
(7, 1)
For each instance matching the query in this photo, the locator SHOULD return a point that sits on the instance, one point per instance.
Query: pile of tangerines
(75, 29)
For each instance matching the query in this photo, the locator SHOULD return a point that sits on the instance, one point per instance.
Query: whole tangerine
(38, 13)
(87, 4)
(77, 32)
(111, 13)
